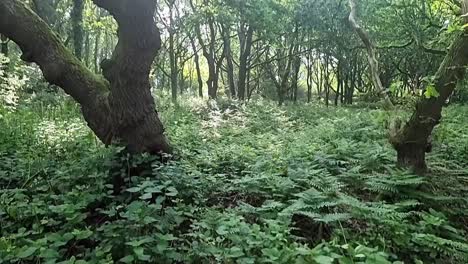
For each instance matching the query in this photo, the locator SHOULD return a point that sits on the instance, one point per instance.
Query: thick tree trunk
(77, 23)
(371, 54)
(412, 140)
(134, 116)
(119, 109)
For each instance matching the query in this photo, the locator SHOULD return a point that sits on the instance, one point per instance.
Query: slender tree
(371, 53)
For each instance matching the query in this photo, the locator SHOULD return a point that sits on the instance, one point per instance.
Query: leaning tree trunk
(120, 108)
(371, 54)
(412, 141)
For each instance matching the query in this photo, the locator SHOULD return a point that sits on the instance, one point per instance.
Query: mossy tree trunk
(412, 140)
(118, 108)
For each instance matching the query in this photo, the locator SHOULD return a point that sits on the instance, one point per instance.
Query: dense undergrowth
(249, 184)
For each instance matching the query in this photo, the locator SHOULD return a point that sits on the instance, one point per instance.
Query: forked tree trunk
(120, 108)
(411, 140)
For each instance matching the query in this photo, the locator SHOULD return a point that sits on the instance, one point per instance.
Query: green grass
(251, 184)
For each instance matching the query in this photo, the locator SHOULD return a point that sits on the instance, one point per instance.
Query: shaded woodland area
(233, 131)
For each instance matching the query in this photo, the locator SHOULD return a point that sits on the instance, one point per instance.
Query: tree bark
(229, 62)
(119, 109)
(412, 140)
(371, 54)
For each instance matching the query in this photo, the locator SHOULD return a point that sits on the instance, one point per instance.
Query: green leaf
(146, 196)
(80, 235)
(171, 191)
(431, 92)
(139, 252)
(134, 190)
(27, 252)
(323, 260)
(127, 259)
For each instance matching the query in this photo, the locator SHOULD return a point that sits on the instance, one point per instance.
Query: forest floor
(250, 184)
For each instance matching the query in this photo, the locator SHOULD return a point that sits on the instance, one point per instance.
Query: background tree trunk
(246, 49)
(229, 63)
(4, 44)
(196, 59)
(77, 23)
